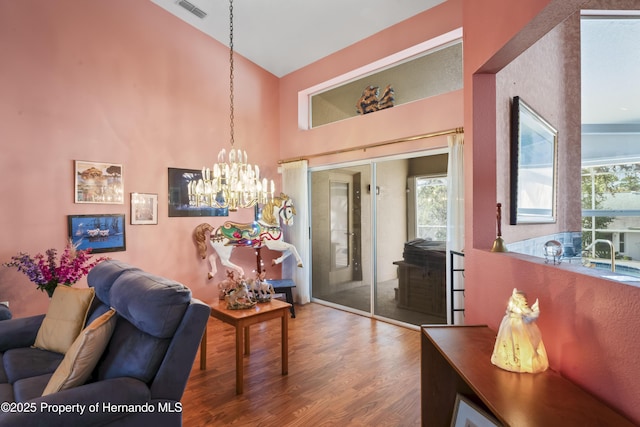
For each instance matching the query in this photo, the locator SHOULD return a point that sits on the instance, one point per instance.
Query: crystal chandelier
(232, 182)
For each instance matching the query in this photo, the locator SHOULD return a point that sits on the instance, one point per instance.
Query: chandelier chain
(231, 112)
(233, 182)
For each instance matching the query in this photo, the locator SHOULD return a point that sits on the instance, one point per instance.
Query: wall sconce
(519, 346)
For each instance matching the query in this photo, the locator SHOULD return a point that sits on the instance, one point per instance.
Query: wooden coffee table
(241, 320)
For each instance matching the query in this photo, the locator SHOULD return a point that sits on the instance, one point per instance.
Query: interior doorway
(367, 253)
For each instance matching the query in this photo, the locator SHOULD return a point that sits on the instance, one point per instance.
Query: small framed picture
(97, 182)
(144, 209)
(468, 414)
(101, 233)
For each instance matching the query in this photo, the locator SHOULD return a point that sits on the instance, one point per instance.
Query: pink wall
(124, 82)
(589, 324)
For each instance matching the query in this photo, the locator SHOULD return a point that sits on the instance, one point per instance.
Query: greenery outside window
(431, 204)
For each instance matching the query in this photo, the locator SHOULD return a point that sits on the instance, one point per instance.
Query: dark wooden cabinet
(423, 287)
(457, 359)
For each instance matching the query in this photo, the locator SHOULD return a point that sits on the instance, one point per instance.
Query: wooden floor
(344, 370)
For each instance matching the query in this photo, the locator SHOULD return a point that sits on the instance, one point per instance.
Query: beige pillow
(83, 355)
(65, 318)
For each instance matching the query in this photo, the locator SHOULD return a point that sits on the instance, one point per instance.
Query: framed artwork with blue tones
(101, 233)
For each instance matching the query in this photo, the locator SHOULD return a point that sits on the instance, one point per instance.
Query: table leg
(247, 341)
(289, 295)
(239, 361)
(203, 350)
(285, 342)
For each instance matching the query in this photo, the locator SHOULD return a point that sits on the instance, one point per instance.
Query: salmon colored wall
(589, 324)
(119, 81)
(124, 82)
(428, 115)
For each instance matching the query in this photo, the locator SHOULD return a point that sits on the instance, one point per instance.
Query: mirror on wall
(533, 166)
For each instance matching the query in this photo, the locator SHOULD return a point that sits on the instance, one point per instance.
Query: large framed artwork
(101, 233)
(98, 182)
(533, 166)
(180, 203)
(467, 414)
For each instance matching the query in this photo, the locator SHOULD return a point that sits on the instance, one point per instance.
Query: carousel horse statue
(266, 232)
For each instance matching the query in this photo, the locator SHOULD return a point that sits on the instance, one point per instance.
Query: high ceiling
(282, 36)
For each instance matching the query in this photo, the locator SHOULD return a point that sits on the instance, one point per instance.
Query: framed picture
(101, 233)
(144, 209)
(533, 166)
(179, 201)
(97, 182)
(467, 414)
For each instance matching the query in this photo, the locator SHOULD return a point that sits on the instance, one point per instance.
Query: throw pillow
(83, 355)
(64, 319)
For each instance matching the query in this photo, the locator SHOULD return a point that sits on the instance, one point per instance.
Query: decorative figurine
(227, 284)
(387, 98)
(261, 289)
(553, 252)
(498, 244)
(370, 102)
(519, 346)
(266, 232)
(240, 297)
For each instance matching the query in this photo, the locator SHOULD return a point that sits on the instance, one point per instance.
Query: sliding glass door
(377, 242)
(337, 237)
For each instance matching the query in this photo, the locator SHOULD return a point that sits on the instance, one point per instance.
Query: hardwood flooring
(344, 370)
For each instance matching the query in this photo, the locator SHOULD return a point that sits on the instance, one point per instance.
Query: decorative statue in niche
(519, 346)
(370, 102)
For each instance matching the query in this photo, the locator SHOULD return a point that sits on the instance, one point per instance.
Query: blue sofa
(142, 374)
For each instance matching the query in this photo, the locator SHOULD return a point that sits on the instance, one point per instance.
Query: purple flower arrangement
(47, 272)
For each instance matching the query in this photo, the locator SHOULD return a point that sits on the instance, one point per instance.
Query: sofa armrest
(88, 405)
(20, 332)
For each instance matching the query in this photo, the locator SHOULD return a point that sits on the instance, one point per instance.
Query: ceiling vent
(191, 8)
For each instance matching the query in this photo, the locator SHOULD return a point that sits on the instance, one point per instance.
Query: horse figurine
(239, 297)
(257, 234)
(261, 289)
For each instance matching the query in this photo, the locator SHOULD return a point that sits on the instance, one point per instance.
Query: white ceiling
(282, 36)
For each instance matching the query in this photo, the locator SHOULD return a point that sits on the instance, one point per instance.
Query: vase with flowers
(47, 271)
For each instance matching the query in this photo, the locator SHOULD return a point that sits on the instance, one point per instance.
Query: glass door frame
(372, 252)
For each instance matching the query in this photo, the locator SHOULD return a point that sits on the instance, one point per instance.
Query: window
(431, 208)
(610, 135)
(611, 210)
(427, 69)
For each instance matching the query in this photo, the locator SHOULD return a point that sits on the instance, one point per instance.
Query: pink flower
(47, 273)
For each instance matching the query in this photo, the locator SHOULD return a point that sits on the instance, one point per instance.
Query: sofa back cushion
(103, 276)
(150, 309)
